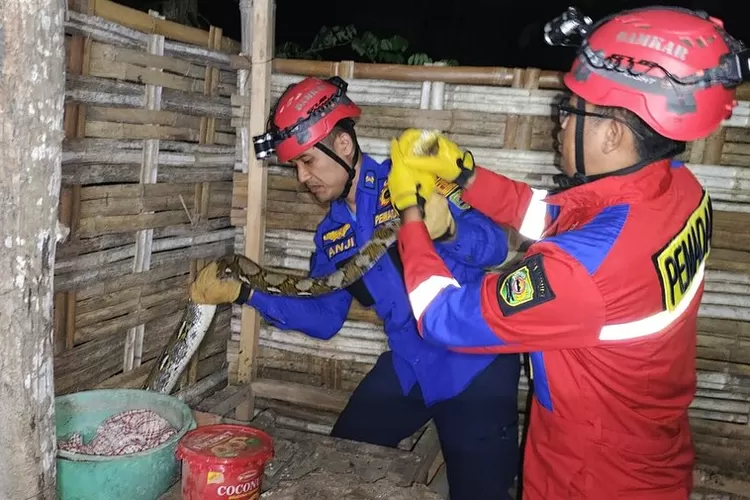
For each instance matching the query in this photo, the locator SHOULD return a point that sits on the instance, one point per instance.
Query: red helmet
(674, 68)
(304, 115)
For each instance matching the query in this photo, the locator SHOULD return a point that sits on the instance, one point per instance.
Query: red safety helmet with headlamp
(304, 115)
(675, 68)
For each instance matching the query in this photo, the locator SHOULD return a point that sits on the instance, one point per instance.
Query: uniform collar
(367, 185)
(644, 184)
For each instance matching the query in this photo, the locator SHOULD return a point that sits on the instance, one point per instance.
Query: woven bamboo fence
(504, 117)
(147, 187)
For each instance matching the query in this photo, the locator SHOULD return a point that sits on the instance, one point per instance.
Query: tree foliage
(366, 47)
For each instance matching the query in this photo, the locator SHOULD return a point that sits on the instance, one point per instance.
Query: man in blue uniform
(472, 398)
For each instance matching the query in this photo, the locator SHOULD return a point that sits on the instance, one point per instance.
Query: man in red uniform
(606, 298)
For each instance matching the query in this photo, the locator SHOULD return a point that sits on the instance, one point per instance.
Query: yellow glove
(450, 162)
(209, 288)
(438, 217)
(408, 188)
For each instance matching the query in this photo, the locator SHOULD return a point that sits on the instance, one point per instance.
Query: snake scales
(198, 317)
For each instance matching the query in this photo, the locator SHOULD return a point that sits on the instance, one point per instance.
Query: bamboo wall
(503, 116)
(147, 186)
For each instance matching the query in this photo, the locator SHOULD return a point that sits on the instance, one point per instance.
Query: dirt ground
(324, 485)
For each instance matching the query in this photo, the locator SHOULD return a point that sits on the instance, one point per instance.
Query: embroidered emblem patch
(337, 234)
(524, 287)
(370, 179)
(384, 199)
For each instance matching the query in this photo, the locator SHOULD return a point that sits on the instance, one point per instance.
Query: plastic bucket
(223, 461)
(137, 476)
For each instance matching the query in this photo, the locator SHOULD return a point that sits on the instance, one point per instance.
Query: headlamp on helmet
(266, 144)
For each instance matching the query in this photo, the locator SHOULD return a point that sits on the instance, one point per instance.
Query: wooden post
(32, 62)
(260, 50)
(78, 57)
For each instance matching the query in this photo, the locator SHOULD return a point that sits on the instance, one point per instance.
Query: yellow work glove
(449, 162)
(438, 217)
(209, 288)
(408, 188)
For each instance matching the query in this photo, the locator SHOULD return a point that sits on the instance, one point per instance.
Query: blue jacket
(479, 243)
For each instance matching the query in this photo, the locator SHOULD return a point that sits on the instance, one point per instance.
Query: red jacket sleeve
(548, 301)
(508, 202)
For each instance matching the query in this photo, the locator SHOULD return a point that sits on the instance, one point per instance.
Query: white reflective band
(425, 293)
(656, 322)
(536, 215)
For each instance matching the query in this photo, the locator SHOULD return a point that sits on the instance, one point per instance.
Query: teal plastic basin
(138, 476)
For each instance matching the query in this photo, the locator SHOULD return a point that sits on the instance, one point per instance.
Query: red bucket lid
(226, 444)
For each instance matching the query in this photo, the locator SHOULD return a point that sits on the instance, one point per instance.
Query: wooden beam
(260, 83)
(301, 394)
(141, 21)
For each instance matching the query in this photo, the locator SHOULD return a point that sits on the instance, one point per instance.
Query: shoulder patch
(679, 261)
(370, 179)
(452, 191)
(524, 287)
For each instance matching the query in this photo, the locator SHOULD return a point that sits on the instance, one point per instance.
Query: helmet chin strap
(565, 182)
(562, 180)
(350, 169)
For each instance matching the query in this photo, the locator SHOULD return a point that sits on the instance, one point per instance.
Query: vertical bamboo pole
(241, 156)
(144, 238)
(525, 130)
(202, 198)
(261, 50)
(512, 121)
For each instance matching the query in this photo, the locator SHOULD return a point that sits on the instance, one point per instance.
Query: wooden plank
(428, 449)
(143, 116)
(112, 130)
(103, 67)
(300, 394)
(141, 21)
(224, 401)
(129, 191)
(158, 61)
(260, 81)
(91, 226)
(75, 216)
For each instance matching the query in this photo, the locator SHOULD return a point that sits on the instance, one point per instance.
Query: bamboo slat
(469, 75)
(144, 23)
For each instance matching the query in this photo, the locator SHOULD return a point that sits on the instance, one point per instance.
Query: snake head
(224, 267)
(236, 267)
(427, 143)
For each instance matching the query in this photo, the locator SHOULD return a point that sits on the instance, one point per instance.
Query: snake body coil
(198, 317)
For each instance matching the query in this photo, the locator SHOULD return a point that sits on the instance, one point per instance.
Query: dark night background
(473, 32)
